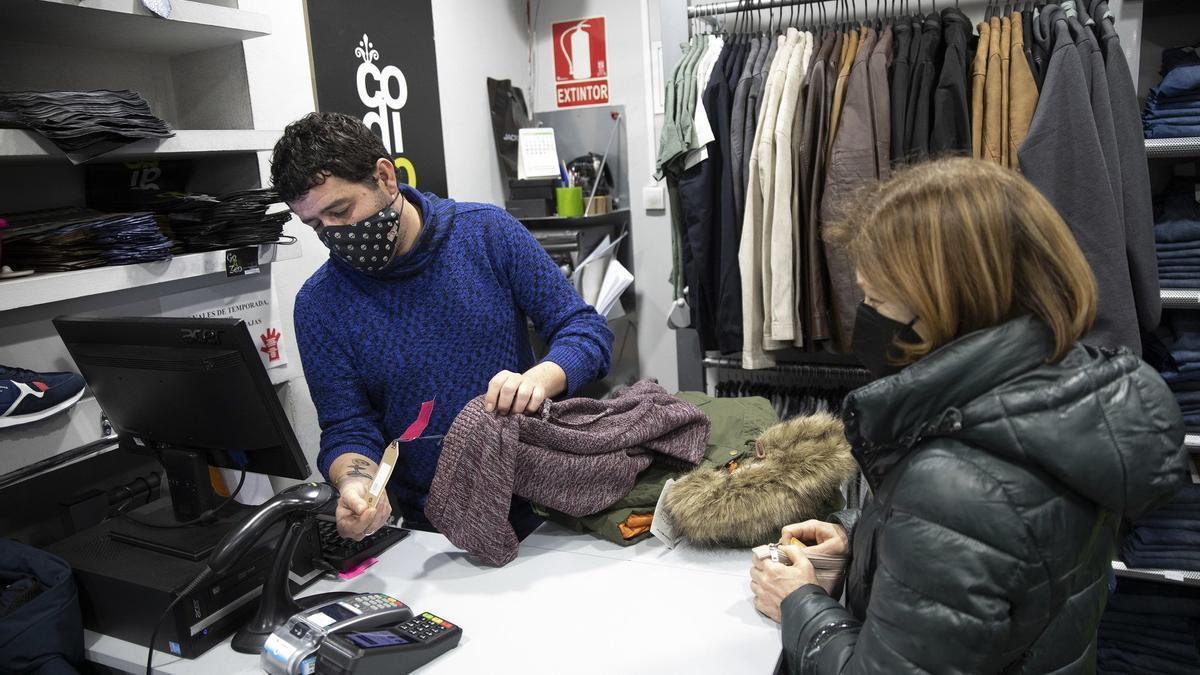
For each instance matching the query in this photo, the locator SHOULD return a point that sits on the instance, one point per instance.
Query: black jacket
(951, 132)
(999, 482)
(919, 116)
(41, 628)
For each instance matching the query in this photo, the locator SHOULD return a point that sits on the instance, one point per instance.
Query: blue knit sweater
(448, 316)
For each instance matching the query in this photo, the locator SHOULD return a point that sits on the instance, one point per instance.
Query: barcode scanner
(299, 504)
(308, 498)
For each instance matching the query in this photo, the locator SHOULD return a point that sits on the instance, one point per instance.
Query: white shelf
(1165, 576)
(1173, 147)
(41, 289)
(24, 145)
(126, 25)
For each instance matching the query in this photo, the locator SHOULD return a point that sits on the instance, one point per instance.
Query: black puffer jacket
(999, 483)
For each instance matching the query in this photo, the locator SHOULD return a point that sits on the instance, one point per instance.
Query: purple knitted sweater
(579, 457)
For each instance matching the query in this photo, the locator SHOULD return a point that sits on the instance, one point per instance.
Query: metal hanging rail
(1172, 147)
(843, 373)
(1180, 298)
(718, 8)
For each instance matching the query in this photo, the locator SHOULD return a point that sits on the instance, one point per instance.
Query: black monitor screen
(195, 384)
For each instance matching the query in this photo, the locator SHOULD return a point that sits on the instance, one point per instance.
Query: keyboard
(345, 554)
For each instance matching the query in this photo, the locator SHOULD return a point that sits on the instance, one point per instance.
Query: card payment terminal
(292, 648)
(388, 651)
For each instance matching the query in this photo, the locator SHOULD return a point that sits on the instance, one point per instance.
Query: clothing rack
(718, 8)
(1172, 147)
(842, 374)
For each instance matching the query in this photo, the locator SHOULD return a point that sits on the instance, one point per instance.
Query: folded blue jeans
(1176, 628)
(1171, 114)
(1163, 536)
(1177, 560)
(1177, 230)
(1110, 659)
(1176, 251)
(1160, 622)
(1182, 80)
(1158, 103)
(1156, 646)
(1190, 399)
(1173, 57)
(1173, 131)
(1177, 246)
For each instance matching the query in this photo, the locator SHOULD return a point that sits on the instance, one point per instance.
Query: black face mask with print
(874, 340)
(368, 246)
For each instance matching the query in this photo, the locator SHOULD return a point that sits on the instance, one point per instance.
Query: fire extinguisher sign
(580, 63)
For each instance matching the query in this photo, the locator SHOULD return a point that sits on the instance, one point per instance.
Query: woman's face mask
(874, 340)
(368, 246)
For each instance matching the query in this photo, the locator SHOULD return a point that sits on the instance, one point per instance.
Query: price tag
(385, 472)
(662, 526)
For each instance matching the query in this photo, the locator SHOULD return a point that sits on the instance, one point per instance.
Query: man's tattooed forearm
(359, 469)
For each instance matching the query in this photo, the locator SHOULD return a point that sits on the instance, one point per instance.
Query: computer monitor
(194, 392)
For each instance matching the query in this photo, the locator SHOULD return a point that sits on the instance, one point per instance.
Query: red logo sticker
(270, 341)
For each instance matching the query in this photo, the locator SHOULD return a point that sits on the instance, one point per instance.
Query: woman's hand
(772, 581)
(829, 539)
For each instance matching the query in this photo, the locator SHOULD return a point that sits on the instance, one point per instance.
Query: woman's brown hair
(967, 245)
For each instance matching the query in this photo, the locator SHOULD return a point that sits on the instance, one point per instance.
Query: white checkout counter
(569, 603)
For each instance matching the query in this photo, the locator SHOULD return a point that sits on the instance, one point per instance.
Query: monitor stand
(191, 542)
(158, 526)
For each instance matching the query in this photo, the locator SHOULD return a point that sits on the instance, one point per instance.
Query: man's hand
(772, 581)
(352, 474)
(820, 536)
(523, 393)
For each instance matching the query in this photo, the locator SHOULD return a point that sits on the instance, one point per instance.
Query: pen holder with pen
(568, 201)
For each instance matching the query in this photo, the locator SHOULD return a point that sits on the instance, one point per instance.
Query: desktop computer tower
(124, 588)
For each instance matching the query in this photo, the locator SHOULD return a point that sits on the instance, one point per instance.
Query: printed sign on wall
(374, 59)
(580, 63)
(252, 299)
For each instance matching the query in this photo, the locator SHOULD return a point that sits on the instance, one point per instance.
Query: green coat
(735, 424)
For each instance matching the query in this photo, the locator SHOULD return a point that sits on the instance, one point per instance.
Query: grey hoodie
(1062, 156)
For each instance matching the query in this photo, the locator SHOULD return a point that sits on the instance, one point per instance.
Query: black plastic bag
(509, 116)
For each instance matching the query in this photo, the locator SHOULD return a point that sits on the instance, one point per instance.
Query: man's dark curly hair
(323, 144)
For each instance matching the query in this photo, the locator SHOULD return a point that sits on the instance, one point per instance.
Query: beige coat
(781, 320)
(759, 203)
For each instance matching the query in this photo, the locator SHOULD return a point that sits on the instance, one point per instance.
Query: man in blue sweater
(422, 299)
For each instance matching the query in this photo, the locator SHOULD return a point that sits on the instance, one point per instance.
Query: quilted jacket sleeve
(848, 519)
(952, 559)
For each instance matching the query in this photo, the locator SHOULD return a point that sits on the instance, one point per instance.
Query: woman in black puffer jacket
(1002, 454)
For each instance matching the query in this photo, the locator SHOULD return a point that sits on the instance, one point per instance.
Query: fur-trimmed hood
(796, 474)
